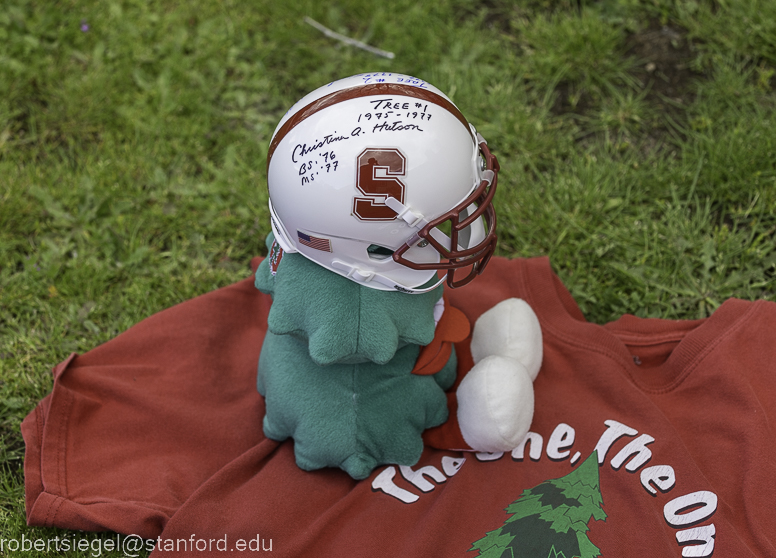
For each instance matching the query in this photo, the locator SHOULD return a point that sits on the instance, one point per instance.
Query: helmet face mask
(379, 178)
(467, 245)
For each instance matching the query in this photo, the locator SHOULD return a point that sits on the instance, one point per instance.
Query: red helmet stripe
(362, 91)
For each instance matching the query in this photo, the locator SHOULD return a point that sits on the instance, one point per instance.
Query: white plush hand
(496, 399)
(509, 329)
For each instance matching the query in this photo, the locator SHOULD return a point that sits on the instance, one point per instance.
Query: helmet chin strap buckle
(414, 220)
(361, 276)
(355, 274)
(352, 272)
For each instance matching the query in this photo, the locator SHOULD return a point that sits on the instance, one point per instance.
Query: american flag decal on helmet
(314, 242)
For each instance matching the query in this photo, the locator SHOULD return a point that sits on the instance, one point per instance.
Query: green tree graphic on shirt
(550, 520)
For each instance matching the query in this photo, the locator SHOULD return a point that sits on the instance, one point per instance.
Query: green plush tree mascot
(377, 183)
(336, 364)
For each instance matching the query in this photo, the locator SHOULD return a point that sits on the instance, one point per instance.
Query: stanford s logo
(379, 172)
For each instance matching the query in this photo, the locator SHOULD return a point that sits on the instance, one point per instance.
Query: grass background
(636, 139)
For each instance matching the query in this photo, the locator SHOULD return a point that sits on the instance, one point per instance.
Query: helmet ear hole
(379, 253)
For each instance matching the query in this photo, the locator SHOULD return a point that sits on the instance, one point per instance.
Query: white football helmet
(380, 178)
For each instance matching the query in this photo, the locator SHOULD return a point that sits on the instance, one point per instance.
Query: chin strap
(360, 276)
(414, 220)
(417, 221)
